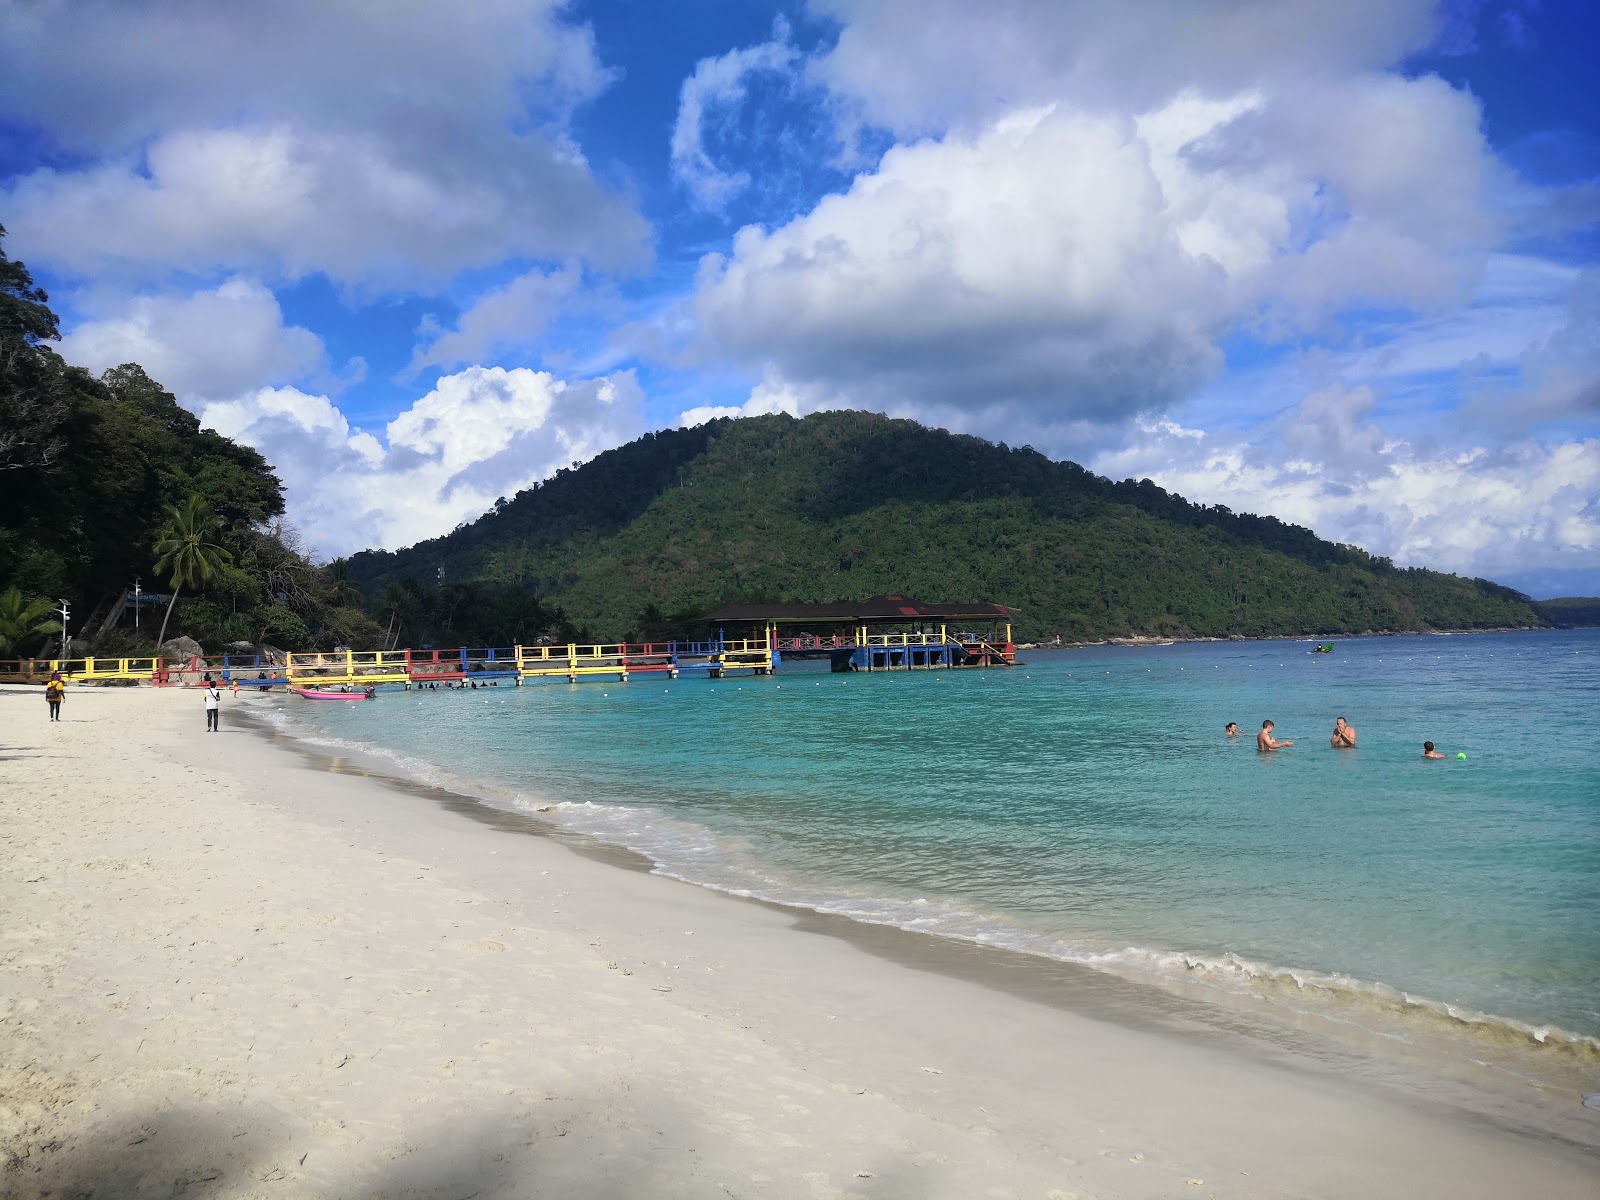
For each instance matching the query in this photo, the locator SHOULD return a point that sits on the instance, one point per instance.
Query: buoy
(1461, 755)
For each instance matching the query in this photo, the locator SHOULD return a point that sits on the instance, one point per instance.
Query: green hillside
(1570, 611)
(846, 505)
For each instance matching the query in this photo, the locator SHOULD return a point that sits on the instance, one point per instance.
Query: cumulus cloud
(286, 203)
(717, 86)
(210, 344)
(509, 316)
(104, 76)
(1498, 513)
(920, 67)
(401, 149)
(1083, 266)
(478, 435)
(769, 396)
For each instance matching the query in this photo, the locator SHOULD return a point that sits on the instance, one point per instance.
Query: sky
(1333, 262)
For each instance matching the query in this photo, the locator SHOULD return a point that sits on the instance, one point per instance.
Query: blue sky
(1333, 262)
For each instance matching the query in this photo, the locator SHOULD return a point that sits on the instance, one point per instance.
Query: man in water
(1231, 729)
(1265, 740)
(1344, 736)
(1429, 752)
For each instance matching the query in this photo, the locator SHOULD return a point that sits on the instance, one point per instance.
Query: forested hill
(844, 505)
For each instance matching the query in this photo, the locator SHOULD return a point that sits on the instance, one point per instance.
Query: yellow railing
(78, 670)
(394, 666)
(349, 666)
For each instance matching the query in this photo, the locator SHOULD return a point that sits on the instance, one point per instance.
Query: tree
(34, 398)
(342, 593)
(20, 620)
(186, 552)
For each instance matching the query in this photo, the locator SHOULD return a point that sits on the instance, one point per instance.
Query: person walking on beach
(213, 704)
(1265, 741)
(1344, 736)
(54, 692)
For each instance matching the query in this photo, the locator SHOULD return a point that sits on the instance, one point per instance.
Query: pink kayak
(318, 694)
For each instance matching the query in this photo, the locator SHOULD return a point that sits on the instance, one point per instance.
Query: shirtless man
(1231, 729)
(1265, 740)
(1429, 752)
(1344, 736)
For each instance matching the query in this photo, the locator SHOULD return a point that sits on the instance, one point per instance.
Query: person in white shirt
(213, 703)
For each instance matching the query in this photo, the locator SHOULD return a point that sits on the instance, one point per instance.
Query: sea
(1085, 806)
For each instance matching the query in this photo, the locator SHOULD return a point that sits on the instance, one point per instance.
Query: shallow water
(1086, 807)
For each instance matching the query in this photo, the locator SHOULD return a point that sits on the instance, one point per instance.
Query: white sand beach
(229, 969)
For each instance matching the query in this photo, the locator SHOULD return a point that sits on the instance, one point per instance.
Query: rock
(241, 648)
(181, 647)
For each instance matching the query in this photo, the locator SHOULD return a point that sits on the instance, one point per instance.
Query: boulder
(181, 647)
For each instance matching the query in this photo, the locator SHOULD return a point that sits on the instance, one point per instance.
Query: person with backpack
(54, 692)
(213, 704)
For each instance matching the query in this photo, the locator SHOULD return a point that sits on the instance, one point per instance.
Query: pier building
(883, 633)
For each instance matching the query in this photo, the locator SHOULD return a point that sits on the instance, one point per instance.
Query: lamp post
(65, 612)
(136, 602)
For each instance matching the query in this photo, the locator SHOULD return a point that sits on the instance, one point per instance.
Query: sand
(230, 969)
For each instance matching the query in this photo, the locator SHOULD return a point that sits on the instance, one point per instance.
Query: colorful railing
(84, 670)
(462, 667)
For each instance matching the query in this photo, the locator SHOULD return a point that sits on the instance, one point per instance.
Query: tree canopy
(844, 505)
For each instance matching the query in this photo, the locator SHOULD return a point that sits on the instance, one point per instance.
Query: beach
(231, 966)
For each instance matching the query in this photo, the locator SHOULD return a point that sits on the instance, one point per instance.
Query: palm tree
(342, 593)
(19, 620)
(186, 553)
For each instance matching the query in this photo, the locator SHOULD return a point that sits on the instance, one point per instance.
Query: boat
(323, 694)
(1325, 648)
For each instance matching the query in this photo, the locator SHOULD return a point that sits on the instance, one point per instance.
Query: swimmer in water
(1429, 752)
(1265, 740)
(1231, 729)
(1344, 736)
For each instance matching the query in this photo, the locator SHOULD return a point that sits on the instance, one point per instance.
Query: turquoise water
(1086, 806)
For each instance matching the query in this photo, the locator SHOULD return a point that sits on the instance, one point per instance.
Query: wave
(692, 853)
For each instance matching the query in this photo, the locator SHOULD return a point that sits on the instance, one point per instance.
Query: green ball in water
(1461, 756)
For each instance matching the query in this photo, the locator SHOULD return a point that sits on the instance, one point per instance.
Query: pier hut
(882, 633)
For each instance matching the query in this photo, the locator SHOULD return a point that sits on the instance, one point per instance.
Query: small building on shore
(881, 633)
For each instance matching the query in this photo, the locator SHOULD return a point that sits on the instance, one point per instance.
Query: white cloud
(512, 315)
(919, 67)
(479, 434)
(385, 149)
(286, 203)
(104, 76)
(769, 396)
(718, 85)
(1082, 267)
(1497, 513)
(207, 345)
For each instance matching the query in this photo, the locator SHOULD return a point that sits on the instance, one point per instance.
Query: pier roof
(876, 610)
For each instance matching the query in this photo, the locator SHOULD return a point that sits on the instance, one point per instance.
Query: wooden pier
(886, 633)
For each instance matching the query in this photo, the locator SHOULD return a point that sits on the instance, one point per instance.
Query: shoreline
(976, 1070)
(1138, 640)
(1377, 1015)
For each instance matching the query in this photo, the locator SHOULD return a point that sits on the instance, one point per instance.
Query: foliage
(1571, 611)
(90, 469)
(33, 399)
(188, 554)
(845, 505)
(23, 621)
